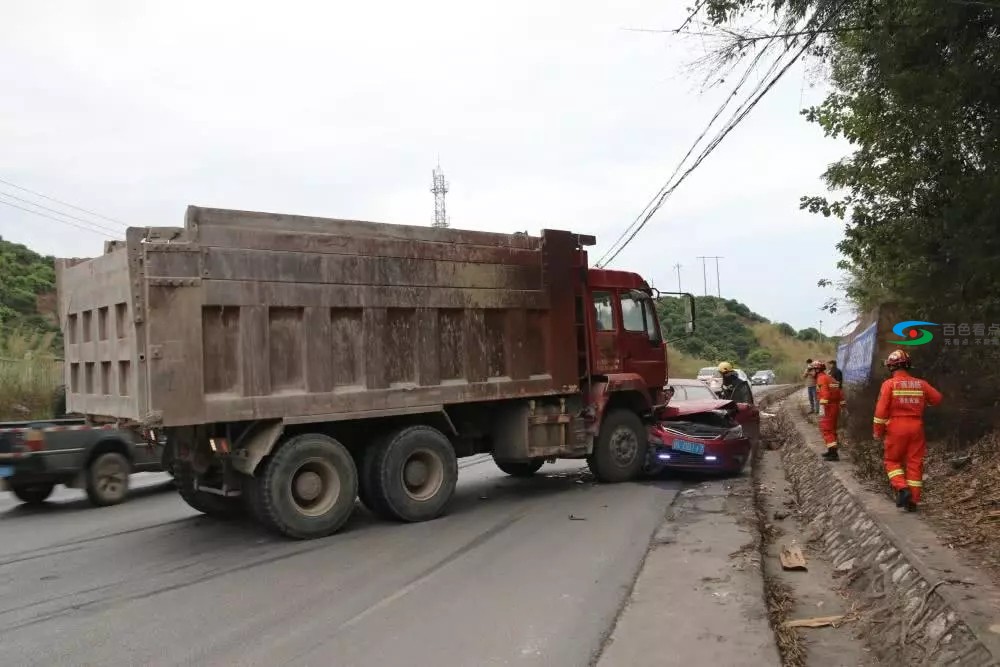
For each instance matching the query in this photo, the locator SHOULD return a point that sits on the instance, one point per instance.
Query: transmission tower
(439, 187)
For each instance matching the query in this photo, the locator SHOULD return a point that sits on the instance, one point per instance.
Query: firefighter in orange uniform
(831, 398)
(899, 419)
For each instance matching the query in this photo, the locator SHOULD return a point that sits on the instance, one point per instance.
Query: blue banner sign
(855, 357)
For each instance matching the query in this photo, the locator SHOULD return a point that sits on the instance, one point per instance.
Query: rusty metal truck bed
(241, 316)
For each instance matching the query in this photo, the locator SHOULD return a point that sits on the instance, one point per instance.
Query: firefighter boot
(831, 454)
(904, 499)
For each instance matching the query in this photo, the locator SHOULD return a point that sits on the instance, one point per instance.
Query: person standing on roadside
(899, 424)
(810, 377)
(835, 373)
(831, 398)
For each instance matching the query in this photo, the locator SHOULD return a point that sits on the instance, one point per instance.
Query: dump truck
(295, 364)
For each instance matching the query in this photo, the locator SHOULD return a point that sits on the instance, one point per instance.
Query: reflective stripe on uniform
(907, 392)
(881, 421)
(911, 482)
(823, 400)
(831, 444)
(895, 473)
(834, 385)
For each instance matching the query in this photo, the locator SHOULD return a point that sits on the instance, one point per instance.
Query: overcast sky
(543, 113)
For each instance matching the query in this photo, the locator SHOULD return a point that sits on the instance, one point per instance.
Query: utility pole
(704, 273)
(678, 267)
(821, 327)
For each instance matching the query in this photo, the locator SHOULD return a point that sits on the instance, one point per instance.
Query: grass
(685, 366)
(790, 354)
(30, 373)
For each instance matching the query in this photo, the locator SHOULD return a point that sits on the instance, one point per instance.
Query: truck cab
(626, 331)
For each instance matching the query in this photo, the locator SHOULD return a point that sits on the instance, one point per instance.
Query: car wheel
(620, 451)
(107, 479)
(33, 494)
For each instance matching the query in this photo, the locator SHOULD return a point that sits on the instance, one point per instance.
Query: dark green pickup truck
(37, 455)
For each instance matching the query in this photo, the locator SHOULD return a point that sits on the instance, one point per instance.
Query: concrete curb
(925, 607)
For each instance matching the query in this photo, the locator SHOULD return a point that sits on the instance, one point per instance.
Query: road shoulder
(698, 598)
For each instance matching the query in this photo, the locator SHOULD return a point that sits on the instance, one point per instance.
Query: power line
(73, 217)
(65, 222)
(733, 122)
(680, 165)
(59, 201)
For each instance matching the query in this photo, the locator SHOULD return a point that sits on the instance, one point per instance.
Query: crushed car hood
(683, 408)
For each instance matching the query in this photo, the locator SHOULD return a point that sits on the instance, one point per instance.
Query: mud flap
(255, 445)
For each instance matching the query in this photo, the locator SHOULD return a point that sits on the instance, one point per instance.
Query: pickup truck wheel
(33, 494)
(412, 474)
(520, 468)
(107, 479)
(308, 487)
(620, 451)
(215, 506)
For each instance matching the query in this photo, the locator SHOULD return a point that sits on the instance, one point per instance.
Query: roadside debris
(577, 518)
(792, 558)
(817, 622)
(779, 515)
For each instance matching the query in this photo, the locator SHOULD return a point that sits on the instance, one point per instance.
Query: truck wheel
(520, 468)
(217, 507)
(33, 494)
(107, 479)
(307, 489)
(412, 474)
(367, 479)
(620, 451)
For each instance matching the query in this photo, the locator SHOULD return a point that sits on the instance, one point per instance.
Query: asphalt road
(526, 572)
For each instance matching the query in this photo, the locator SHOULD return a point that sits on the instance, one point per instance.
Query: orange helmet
(897, 359)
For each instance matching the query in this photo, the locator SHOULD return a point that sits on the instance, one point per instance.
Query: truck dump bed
(241, 316)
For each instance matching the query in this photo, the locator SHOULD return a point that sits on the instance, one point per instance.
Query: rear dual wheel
(306, 489)
(409, 474)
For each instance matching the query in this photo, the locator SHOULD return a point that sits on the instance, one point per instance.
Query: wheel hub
(315, 487)
(624, 446)
(416, 473)
(423, 475)
(308, 485)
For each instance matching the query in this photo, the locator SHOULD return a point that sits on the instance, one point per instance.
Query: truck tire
(367, 481)
(307, 489)
(620, 451)
(33, 494)
(412, 474)
(520, 468)
(107, 479)
(210, 504)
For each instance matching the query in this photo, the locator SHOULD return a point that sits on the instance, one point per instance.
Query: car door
(641, 344)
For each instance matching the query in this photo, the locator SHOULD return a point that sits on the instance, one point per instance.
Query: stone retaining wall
(921, 606)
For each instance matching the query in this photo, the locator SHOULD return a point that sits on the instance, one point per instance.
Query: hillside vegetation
(26, 278)
(727, 330)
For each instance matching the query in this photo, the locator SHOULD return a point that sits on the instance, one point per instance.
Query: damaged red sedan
(701, 432)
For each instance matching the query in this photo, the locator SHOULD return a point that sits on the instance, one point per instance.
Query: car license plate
(689, 447)
(6, 471)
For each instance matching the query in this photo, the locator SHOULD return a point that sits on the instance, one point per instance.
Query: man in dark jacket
(734, 388)
(835, 373)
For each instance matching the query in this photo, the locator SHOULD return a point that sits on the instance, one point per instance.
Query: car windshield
(711, 370)
(760, 374)
(698, 392)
